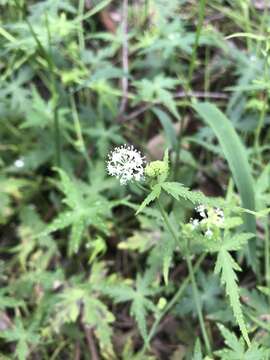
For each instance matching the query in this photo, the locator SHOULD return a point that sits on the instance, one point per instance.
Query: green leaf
(168, 127)
(85, 208)
(95, 9)
(197, 351)
(140, 303)
(69, 188)
(226, 265)
(236, 242)
(62, 221)
(235, 154)
(22, 336)
(120, 293)
(138, 311)
(154, 194)
(76, 235)
(179, 191)
(236, 348)
(168, 246)
(97, 315)
(231, 341)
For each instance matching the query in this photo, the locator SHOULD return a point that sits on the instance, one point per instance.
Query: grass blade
(235, 154)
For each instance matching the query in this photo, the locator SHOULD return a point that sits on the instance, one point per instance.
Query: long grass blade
(235, 154)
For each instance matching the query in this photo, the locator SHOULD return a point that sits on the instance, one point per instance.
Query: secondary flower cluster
(126, 164)
(210, 218)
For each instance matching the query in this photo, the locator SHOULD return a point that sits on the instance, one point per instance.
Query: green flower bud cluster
(156, 168)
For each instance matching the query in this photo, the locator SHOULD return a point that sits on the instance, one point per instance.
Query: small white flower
(219, 212)
(19, 163)
(126, 163)
(220, 217)
(171, 36)
(201, 209)
(208, 233)
(194, 223)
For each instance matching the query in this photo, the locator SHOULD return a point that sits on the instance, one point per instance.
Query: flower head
(212, 220)
(201, 209)
(194, 223)
(126, 164)
(19, 163)
(208, 233)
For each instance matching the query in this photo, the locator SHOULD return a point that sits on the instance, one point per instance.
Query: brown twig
(125, 66)
(178, 95)
(135, 113)
(90, 342)
(201, 94)
(77, 354)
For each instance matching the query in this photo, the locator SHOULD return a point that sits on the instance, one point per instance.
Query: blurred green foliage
(82, 276)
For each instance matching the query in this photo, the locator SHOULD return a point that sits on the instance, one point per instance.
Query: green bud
(156, 168)
(162, 303)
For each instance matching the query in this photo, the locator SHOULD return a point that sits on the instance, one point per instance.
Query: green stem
(51, 66)
(167, 221)
(57, 135)
(170, 304)
(187, 86)
(267, 255)
(192, 277)
(80, 27)
(198, 303)
(259, 129)
(246, 15)
(192, 66)
(80, 141)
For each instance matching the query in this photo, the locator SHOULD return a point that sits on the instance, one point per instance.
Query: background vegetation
(84, 277)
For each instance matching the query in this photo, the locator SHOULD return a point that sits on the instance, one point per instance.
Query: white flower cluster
(211, 217)
(126, 163)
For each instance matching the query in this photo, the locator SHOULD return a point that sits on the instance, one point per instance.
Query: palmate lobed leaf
(97, 315)
(22, 336)
(237, 241)
(82, 301)
(86, 208)
(179, 191)
(236, 348)
(231, 242)
(139, 297)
